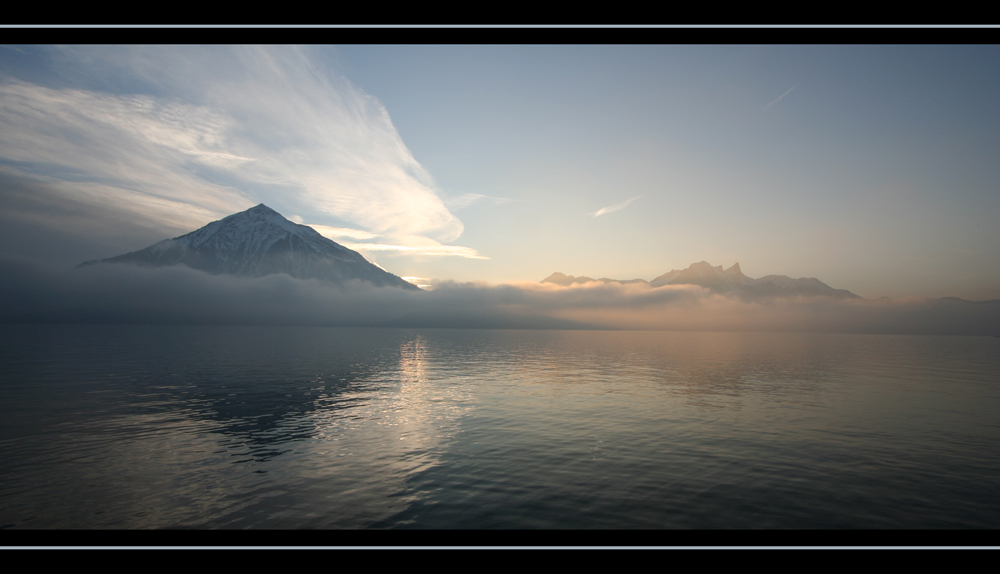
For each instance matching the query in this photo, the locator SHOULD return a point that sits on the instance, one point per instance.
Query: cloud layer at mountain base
(127, 294)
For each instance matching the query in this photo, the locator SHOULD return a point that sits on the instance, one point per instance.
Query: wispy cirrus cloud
(615, 207)
(778, 99)
(433, 250)
(462, 201)
(426, 246)
(128, 148)
(214, 130)
(339, 233)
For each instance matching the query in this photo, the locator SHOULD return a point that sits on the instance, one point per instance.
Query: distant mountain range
(258, 242)
(730, 281)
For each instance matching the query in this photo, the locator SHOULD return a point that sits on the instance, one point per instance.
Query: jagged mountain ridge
(730, 281)
(567, 280)
(259, 242)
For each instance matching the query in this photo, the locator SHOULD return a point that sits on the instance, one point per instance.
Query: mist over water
(36, 293)
(160, 426)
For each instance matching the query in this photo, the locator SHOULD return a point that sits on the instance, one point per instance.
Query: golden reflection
(411, 363)
(388, 426)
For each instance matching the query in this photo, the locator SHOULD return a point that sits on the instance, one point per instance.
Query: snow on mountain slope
(258, 242)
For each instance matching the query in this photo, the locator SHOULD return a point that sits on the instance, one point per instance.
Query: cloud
(615, 207)
(419, 281)
(218, 129)
(434, 250)
(117, 150)
(778, 99)
(463, 201)
(337, 233)
(426, 246)
(127, 294)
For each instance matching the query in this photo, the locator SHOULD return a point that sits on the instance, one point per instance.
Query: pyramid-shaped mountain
(258, 242)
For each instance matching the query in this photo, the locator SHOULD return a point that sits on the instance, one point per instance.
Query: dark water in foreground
(273, 427)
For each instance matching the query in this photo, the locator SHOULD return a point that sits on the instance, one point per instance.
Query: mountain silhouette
(259, 242)
(730, 281)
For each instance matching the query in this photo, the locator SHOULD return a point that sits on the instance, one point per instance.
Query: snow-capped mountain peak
(258, 242)
(255, 230)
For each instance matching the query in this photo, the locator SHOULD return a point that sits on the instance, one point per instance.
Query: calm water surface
(291, 427)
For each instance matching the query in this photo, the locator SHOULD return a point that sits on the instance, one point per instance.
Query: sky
(872, 168)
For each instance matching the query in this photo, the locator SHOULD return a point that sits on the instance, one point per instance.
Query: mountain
(258, 242)
(730, 281)
(567, 280)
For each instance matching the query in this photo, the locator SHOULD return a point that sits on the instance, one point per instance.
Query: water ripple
(252, 427)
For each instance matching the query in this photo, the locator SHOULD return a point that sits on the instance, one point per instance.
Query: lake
(241, 427)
